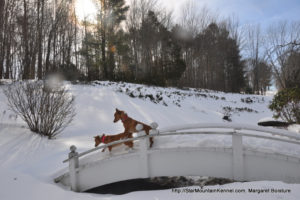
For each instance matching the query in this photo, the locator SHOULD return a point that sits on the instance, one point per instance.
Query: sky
(264, 12)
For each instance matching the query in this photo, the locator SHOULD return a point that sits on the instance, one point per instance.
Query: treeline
(154, 50)
(143, 43)
(37, 37)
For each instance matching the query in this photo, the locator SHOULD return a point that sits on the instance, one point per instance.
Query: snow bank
(294, 128)
(15, 185)
(28, 163)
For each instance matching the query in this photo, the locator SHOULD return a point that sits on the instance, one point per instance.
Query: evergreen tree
(219, 62)
(235, 74)
(111, 14)
(161, 58)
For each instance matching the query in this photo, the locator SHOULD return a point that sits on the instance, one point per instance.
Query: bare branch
(46, 110)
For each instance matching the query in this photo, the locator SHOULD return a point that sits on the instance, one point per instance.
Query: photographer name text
(231, 190)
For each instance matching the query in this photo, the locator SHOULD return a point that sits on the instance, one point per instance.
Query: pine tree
(112, 13)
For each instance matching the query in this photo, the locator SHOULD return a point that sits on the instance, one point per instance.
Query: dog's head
(119, 114)
(98, 139)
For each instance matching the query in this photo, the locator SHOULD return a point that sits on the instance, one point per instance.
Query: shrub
(286, 105)
(46, 109)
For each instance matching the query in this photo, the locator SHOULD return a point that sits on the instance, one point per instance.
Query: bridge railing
(237, 131)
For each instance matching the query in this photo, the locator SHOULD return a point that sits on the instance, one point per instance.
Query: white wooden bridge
(236, 162)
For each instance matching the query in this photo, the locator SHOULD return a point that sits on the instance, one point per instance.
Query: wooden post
(238, 156)
(154, 130)
(73, 166)
(144, 160)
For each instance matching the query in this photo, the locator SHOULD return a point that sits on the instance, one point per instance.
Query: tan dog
(105, 139)
(130, 124)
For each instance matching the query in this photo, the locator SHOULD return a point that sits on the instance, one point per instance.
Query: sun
(85, 10)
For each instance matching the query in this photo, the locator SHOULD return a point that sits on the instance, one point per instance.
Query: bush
(286, 105)
(46, 109)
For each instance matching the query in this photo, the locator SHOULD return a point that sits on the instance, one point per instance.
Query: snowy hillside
(28, 163)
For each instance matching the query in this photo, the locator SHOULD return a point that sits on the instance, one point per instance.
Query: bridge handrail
(107, 145)
(232, 126)
(236, 129)
(142, 137)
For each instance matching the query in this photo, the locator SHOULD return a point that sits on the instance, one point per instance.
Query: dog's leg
(109, 151)
(130, 145)
(150, 139)
(127, 134)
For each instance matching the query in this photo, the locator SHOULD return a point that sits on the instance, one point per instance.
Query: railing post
(73, 166)
(144, 145)
(154, 130)
(238, 156)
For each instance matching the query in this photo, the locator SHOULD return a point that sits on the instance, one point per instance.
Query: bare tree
(193, 21)
(40, 38)
(283, 39)
(46, 109)
(236, 32)
(195, 18)
(2, 5)
(255, 55)
(137, 14)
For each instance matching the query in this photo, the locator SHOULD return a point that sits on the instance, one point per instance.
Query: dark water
(158, 183)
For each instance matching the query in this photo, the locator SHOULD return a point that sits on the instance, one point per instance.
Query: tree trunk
(26, 59)
(40, 38)
(2, 5)
(8, 60)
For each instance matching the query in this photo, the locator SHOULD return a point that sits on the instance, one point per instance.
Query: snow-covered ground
(28, 163)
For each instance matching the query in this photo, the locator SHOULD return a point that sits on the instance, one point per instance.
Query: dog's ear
(117, 110)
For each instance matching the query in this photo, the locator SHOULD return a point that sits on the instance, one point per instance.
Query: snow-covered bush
(47, 110)
(286, 105)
